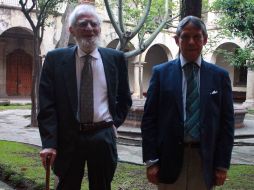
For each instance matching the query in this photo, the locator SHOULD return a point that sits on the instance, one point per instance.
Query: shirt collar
(95, 53)
(184, 61)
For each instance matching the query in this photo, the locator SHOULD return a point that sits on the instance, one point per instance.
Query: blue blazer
(163, 121)
(58, 99)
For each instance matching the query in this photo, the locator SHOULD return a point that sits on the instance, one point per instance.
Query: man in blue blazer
(77, 131)
(187, 141)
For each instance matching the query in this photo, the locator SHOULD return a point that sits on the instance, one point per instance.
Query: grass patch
(127, 177)
(20, 166)
(241, 177)
(15, 106)
(251, 111)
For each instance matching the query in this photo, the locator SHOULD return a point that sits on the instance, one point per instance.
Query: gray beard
(88, 45)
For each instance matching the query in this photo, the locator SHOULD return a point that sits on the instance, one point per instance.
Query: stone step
(129, 136)
(127, 129)
(132, 136)
(4, 102)
(129, 141)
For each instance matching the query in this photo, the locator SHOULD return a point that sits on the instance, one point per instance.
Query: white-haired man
(83, 96)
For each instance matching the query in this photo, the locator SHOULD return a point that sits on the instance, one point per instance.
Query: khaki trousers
(191, 176)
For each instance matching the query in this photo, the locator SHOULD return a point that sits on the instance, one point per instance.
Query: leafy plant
(236, 19)
(239, 57)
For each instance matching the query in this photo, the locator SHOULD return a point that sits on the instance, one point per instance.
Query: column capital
(142, 63)
(92, 2)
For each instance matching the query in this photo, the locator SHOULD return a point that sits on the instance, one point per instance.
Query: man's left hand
(220, 177)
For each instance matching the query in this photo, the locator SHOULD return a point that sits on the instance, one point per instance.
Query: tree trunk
(35, 80)
(191, 7)
(65, 34)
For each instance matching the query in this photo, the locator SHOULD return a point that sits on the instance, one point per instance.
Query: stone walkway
(13, 127)
(4, 186)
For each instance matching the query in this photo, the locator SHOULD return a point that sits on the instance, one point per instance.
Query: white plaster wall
(51, 35)
(14, 18)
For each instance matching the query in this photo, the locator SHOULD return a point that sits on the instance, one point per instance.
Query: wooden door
(18, 73)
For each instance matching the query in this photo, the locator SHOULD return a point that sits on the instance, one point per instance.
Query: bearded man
(84, 96)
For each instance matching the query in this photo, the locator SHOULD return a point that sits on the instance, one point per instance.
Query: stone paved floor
(4, 186)
(13, 127)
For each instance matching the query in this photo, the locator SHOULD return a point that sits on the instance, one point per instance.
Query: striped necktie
(86, 92)
(192, 122)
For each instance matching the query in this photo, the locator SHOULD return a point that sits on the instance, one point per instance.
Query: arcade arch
(156, 54)
(16, 50)
(131, 61)
(238, 75)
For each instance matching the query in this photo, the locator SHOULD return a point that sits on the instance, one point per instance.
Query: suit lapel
(177, 78)
(105, 64)
(205, 83)
(110, 72)
(69, 72)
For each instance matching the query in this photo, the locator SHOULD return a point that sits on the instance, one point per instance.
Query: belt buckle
(86, 126)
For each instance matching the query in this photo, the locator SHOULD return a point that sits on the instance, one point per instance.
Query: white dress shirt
(100, 91)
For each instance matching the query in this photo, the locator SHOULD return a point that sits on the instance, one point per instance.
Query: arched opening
(113, 44)
(16, 60)
(157, 54)
(238, 75)
(19, 73)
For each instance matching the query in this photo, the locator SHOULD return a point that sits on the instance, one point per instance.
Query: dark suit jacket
(163, 121)
(58, 100)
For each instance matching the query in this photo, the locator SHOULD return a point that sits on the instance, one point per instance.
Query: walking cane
(47, 172)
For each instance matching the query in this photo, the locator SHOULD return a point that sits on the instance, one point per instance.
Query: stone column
(250, 89)
(138, 71)
(2, 69)
(87, 1)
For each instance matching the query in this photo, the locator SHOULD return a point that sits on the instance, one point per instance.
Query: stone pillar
(138, 71)
(2, 69)
(87, 1)
(250, 89)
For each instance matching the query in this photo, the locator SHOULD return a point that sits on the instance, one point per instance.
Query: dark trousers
(98, 150)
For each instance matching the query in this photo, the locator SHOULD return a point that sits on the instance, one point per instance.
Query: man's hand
(49, 153)
(115, 131)
(220, 177)
(152, 173)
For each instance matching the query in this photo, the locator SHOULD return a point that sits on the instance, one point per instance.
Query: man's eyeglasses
(186, 38)
(84, 24)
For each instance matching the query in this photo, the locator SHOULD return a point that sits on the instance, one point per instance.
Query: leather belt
(191, 145)
(84, 127)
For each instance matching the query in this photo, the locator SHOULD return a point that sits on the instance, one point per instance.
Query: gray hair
(83, 9)
(197, 22)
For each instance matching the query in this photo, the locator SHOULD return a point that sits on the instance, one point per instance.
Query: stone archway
(156, 54)
(18, 73)
(238, 75)
(16, 52)
(113, 44)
